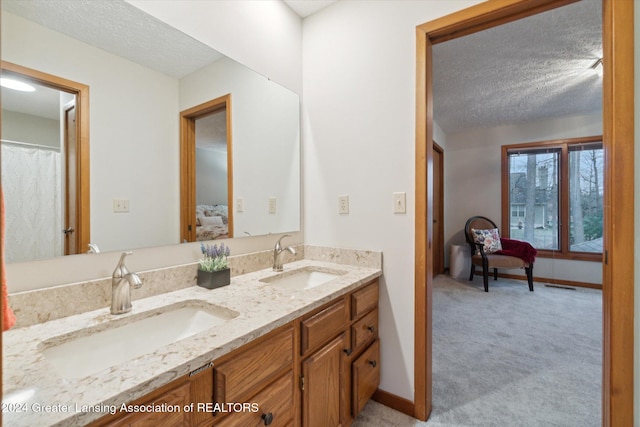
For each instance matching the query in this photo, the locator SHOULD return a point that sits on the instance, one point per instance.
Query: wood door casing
(618, 139)
(438, 209)
(71, 244)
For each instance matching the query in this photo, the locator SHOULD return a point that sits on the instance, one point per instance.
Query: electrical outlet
(343, 205)
(272, 205)
(120, 205)
(239, 204)
(400, 203)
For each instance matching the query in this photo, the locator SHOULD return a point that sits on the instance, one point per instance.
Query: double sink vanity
(297, 347)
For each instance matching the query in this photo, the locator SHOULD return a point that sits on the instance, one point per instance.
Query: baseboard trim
(551, 281)
(392, 401)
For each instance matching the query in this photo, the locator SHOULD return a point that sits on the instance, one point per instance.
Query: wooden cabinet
(315, 330)
(364, 331)
(323, 385)
(259, 376)
(338, 343)
(365, 372)
(164, 406)
(317, 370)
(239, 377)
(272, 406)
(172, 401)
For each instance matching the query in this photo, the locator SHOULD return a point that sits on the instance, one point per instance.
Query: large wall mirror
(141, 74)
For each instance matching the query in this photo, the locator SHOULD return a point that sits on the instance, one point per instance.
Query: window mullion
(564, 200)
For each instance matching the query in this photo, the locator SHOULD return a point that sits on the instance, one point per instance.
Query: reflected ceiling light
(597, 67)
(16, 85)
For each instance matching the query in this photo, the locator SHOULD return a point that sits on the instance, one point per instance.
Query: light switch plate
(272, 205)
(400, 202)
(239, 204)
(343, 205)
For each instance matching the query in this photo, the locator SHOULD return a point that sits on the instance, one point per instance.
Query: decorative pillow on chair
(489, 238)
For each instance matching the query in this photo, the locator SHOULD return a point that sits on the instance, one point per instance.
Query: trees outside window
(552, 196)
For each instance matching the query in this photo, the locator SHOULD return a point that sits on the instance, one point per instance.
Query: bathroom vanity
(299, 347)
(319, 369)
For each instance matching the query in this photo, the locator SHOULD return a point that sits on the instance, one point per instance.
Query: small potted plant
(214, 272)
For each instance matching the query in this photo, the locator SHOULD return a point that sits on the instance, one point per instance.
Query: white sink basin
(303, 278)
(91, 350)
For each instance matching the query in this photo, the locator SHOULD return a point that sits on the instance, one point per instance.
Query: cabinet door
(323, 393)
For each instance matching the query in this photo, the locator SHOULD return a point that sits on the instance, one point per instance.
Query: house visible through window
(553, 196)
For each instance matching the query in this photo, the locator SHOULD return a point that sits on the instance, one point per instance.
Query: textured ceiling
(119, 28)
(211, 131)
(527, 70)
(532, 69)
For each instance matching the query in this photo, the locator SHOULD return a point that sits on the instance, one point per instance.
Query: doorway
(618, 135)
(206, 178)
(73, 228)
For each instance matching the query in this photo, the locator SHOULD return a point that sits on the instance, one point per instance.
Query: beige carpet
(510, 357)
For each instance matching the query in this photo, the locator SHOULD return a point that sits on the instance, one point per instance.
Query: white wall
(265, 122)
(22, 127)
(266, 36)
(475, 157)
(211, 177)
(358, 135)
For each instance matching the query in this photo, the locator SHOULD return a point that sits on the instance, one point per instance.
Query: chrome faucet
(277, 253)
(121, 283)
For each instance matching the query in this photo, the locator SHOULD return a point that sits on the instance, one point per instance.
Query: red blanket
(518, 248)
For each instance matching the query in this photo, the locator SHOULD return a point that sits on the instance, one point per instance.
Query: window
(553, 196)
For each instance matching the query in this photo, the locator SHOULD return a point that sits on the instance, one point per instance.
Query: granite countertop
(35, 394)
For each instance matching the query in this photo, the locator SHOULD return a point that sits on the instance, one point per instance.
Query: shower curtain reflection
(31, 178)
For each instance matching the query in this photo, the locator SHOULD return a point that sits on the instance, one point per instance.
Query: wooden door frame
(439, 149)
(188, 165)
(81, 92)
(618, 140)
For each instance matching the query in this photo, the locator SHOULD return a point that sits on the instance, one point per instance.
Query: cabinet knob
(372, 363)
(371, 328)
(348, 351)
(267, 418)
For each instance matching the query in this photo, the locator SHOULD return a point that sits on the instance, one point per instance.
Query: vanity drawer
(274, 404)
(324, 325)
(364, 300)
(364, 330)
(177, 397)
(365, 373)
(253, 368)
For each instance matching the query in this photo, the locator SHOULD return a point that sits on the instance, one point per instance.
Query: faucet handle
(278, 245)
(122, 270)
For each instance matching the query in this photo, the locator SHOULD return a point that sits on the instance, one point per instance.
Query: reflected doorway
(45, 165)
(206, 171)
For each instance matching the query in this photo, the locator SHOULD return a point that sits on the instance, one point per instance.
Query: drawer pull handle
(348, 351)
(371, 328)
(268, 418)
(372, 363)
